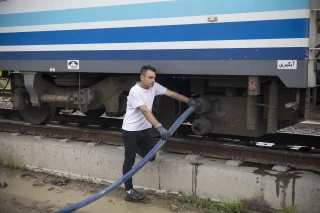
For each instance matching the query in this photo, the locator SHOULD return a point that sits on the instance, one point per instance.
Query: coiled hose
(134, 170)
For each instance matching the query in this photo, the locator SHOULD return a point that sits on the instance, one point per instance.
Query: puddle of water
(27, 194)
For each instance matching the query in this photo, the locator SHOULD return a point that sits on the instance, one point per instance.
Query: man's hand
(163, 132)
(194, 103)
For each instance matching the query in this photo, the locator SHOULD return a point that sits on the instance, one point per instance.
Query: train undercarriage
(232, 105)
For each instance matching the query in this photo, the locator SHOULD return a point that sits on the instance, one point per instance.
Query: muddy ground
(33, 192)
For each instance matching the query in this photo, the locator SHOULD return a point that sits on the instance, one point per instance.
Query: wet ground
(35, 193)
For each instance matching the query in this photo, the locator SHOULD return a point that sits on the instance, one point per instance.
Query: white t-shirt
(134, 120)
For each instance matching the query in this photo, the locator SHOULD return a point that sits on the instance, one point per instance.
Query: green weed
(10, 161)
(287, 209)
(208, 205)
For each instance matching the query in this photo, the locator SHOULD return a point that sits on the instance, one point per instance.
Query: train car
(253, 64)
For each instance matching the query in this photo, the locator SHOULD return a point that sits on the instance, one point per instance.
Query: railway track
(281, 139)
(218, 147)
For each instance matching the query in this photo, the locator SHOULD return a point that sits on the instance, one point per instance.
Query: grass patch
(287, 209)
(207, 205)
(11, 162)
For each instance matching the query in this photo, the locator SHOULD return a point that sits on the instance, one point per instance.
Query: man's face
(149, 79)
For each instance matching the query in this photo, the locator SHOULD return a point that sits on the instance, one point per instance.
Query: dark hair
(144, 70)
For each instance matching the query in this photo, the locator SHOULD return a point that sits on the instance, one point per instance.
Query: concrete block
(92, 144)
(16, 134)
(306, 191)
(148, 176)
(121, 148)
(176, 175)
(193, 157)
(280, 168)
(225, 183)
(265, 189)
(65, 140)
(162, 152)
(38, 137)
(235, 163)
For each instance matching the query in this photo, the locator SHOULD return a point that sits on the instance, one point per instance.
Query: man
(139, 118)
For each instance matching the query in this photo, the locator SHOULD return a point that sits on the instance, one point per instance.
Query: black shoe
(134, 195)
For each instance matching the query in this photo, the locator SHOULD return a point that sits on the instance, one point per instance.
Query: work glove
(194, 103)
(163, 132)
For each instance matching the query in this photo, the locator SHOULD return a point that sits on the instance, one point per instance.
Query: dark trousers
(139, 142)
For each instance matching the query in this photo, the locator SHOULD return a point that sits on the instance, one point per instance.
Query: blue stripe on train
(292, 28)
(298, 53)
(178, 8)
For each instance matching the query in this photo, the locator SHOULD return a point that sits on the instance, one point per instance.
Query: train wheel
(38, 115)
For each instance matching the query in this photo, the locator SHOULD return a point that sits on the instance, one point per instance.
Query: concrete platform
(264, 189)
